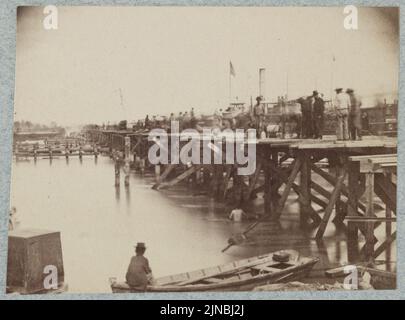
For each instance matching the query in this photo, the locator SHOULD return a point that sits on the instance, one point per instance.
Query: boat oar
(240, 237)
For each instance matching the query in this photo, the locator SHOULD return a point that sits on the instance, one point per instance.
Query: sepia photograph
(204, 149)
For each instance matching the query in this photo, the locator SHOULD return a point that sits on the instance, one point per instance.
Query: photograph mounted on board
(195, 149)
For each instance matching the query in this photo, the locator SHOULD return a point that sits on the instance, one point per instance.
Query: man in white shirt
(342, 106)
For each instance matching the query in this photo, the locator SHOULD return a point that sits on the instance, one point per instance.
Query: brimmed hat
(140, 245)
(314, 93)
(349, 90)
(338, 89)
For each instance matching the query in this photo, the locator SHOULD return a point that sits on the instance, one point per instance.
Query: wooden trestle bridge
(355, 174)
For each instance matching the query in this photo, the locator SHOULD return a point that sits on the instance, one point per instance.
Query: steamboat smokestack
(262, 79)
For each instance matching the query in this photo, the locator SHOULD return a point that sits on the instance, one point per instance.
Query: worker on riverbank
(342, 106)
(354, 116)
(318, 115)
(139, 274)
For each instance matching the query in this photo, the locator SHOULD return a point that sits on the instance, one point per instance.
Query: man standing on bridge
(355, 116)
(306, 118)
(258, 113)
(319, 109)
(342, 106)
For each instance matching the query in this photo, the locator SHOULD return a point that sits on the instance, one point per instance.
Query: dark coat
(319, 106)
(137, 272)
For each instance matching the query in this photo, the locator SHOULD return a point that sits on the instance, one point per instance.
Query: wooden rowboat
(381, 279)
(241, 275)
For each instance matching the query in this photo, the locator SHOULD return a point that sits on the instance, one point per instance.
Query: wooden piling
(67, 152)
(369, 246)
(95, 151)
(142, 166)
(305, 186)
(116, 169)
(331, 204)
(127, 159)
(157, 173)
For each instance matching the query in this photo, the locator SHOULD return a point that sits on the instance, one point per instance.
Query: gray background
(7, 54)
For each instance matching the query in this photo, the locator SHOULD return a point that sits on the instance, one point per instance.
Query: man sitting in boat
(139, 274)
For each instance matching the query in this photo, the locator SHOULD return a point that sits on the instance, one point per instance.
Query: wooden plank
(364, 144)
(372, 219)
(336, 272)
(305, 185)
(385, 245)
(388, 226)
(181, 177)
(296, 167)
(164, 175)
(297, 189)
(255, 177)
(318, 201)
(331, 204)
(366, 157)
(320, 145)
(322, 191)
(387, 165)
(369, 193)
(329, 178)
(268, 207)
(383, 160)
(386, 190)
(353, 200)
(234, 269)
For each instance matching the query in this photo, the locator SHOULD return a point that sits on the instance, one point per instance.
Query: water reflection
(182, 231)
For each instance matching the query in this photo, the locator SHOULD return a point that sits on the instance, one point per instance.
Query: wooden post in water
(142, 166)
(50, 154)
(305, 185)
(268, 206)
(95, 151)
(157, 173)
(388, 226)
(67, 151)
(117, 169)
(80, 153)
(35, 154)
(352, 208)
(127, 147)
(369, 245)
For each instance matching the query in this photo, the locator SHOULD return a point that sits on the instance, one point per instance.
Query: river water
(100, 224)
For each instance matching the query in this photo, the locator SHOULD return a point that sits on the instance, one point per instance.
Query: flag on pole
(231, 69)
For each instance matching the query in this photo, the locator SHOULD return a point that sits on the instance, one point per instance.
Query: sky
(105, 64)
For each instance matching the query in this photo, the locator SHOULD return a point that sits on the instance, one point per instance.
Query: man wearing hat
(306, 117)
(139, 274)
(342, 106)
(319, 109)
(258, 113)
(354, 116)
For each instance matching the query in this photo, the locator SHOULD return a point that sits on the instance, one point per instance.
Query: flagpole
(230, 87)
(332, 76)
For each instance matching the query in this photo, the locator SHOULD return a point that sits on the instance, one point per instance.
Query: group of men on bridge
(309, 125)
(347, 111)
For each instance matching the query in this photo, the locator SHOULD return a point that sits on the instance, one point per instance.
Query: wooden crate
(29, 252)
